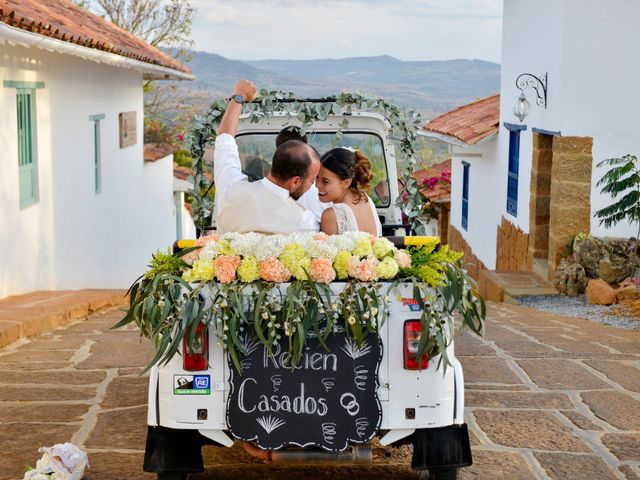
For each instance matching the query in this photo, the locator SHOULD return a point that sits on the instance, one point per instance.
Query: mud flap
(444, 447)
(172, 450)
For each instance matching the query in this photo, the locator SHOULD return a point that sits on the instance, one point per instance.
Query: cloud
(407, 29)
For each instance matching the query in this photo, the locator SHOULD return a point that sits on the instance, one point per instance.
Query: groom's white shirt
(267, 207)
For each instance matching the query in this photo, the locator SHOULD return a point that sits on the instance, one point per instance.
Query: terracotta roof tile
(63, 20)
(440, 192)
(156, 151)
(469, 123)
(181, 173)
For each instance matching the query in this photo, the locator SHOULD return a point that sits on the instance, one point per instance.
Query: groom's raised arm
(227, 170)
(244, 91)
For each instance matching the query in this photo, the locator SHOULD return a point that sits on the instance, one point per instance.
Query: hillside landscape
(431, 87)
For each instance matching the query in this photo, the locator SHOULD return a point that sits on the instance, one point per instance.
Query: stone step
(541, 267)
(498, 285)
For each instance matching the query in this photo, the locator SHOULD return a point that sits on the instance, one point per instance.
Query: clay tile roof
(469, 123)
(440, 192)
(180, 172)
(156, 151)
(63, 20)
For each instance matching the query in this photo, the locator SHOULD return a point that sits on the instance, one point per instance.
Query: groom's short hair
(292, 159)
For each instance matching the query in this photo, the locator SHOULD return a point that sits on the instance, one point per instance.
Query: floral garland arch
(404, 125)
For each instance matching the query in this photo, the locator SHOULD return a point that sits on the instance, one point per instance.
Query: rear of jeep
(199, 398)
(333, 402)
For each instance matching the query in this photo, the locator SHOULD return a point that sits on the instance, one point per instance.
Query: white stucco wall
(485, 192)
(74, 238)
(588, 49)
(188, 227)
(590, 53)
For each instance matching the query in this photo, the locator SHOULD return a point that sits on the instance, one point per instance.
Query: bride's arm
(328, 222)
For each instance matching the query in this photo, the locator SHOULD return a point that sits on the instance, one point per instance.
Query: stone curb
(37, 312)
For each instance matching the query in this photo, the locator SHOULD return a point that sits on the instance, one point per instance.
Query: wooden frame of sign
(128, 129)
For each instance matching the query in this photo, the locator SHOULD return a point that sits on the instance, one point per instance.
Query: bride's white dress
(347, 220)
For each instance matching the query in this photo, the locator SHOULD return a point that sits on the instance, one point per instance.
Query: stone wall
(570, 209)
(540, 200)
(512, 248)
(443, 221)
(457, 242)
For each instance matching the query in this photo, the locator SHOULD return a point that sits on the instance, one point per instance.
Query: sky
(309, 29)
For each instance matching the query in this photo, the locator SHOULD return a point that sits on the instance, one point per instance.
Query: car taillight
(195, 353)
(412, 332)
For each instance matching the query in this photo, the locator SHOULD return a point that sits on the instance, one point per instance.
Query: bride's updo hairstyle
(349, 164)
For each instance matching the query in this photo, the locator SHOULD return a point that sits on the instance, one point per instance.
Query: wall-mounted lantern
(522, 107)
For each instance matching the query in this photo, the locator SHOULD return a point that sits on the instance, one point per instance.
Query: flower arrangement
(279, 286)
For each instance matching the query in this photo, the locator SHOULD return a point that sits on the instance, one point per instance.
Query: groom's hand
(229, 122)
(247, 89)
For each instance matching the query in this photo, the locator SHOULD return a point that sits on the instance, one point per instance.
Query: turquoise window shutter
(27, 147)
(97, 157)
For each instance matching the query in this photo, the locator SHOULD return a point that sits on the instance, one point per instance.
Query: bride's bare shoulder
(329, 213)
(329, 222)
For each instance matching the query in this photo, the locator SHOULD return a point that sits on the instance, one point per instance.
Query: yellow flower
(295, 259)
(382, 247)
(225, 248)
(202, 270)
(341, 264)
(387, 269)
(248, 271)
(363, 248)
(187, 276)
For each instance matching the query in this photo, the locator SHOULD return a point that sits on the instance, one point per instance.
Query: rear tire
(173, 476)
(439, 474)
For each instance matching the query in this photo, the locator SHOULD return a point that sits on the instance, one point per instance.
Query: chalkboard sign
(329, 400)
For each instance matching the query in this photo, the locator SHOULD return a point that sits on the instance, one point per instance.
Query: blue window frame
(27, 140)
(514, 167)
(96, 151)
(465, 195)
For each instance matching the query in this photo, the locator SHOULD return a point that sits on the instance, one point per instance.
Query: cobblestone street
(546, 396)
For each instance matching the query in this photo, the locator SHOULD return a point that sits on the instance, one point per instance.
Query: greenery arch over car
(404, 125)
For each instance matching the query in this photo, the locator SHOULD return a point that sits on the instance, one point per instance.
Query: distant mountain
(431, 87)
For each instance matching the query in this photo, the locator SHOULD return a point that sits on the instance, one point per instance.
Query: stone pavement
(547, 397)
(37, 312)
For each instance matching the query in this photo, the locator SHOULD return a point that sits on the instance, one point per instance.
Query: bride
(343, 179)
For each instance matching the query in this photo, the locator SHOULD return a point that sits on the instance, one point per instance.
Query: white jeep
(336, 399)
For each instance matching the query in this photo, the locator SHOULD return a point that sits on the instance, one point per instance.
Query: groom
(269, 205)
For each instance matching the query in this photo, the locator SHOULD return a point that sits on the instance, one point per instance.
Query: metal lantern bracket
(525, 80)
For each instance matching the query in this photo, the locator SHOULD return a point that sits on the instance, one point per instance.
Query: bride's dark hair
(348, 164)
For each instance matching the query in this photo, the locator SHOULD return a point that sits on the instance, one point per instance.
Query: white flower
(321, 249)
(301, 237)
(230, 236)
(210, 251)
(341, 242)
(247, 243)
(271, 246)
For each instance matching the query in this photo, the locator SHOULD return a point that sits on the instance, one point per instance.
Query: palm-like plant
(623, 179)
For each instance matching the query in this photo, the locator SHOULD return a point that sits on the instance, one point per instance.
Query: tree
(161, 23)
(623, 177)
(164, 24)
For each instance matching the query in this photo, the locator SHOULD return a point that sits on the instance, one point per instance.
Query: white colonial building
(79, 206)
(520, 193)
